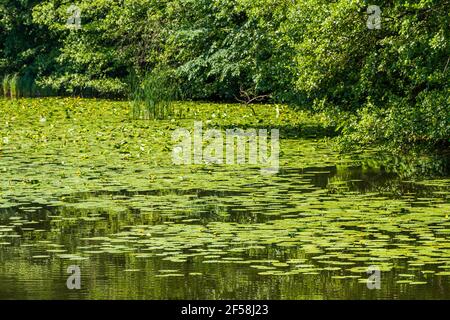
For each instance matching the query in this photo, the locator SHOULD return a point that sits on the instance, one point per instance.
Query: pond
(84, 185)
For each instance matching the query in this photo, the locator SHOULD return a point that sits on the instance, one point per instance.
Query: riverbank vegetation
(386, 86)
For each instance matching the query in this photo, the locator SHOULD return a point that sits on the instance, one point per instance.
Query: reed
(5, 86)
(14, 86)
(23, 86)
(153, 97)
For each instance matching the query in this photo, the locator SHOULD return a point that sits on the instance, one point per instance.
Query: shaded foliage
(387, 85)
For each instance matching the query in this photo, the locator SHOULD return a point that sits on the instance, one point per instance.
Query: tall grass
(5, 86)
(14, 86)
(153, 97)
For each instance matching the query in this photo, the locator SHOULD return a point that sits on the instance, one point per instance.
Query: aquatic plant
(153, 97)
(87, 185)
(14, 86)
(5, 86)
(20, 86)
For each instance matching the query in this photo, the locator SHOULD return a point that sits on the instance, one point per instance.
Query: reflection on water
(308, 233)
(101, 193)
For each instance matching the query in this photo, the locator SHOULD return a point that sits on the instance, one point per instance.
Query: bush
(400, 126)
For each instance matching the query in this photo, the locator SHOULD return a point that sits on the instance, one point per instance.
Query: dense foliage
(388, 85)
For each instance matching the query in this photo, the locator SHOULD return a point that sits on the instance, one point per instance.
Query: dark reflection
(29, 271)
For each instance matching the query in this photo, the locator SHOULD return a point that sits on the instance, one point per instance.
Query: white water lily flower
(178, 149)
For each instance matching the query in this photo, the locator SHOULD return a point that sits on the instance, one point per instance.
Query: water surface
(88, 187)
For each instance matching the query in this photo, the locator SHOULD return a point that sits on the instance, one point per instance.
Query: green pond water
(82, 184)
